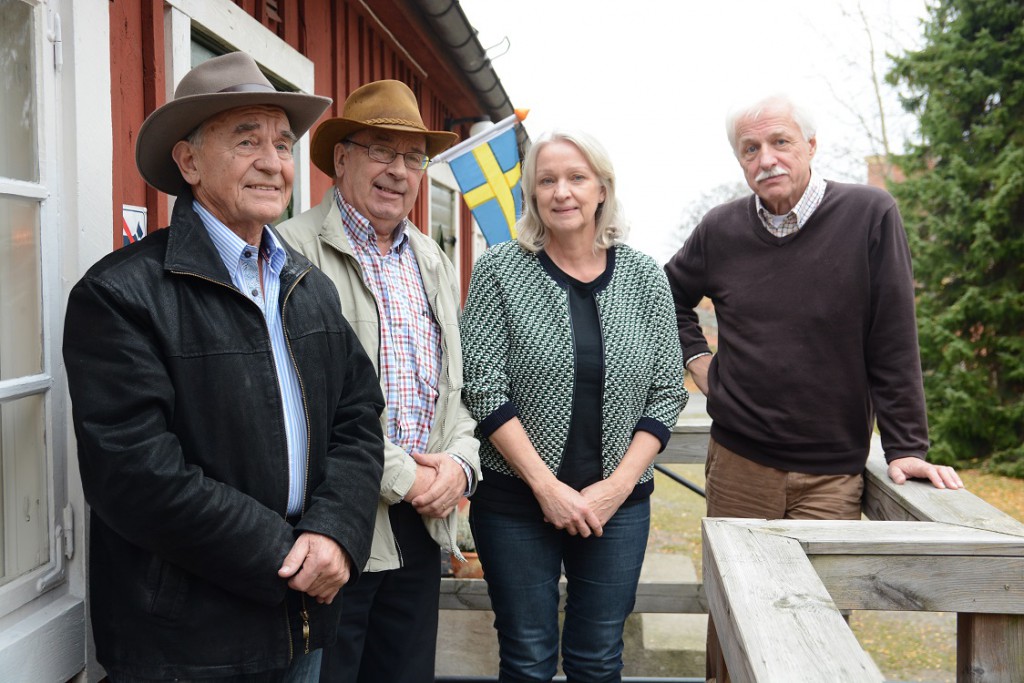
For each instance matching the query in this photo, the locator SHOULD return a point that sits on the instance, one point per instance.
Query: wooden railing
(688, 445)
(776, 588)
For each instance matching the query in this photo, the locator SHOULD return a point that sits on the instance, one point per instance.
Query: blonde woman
(574, 372)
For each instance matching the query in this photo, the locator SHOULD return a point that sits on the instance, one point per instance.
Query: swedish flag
(489, 177)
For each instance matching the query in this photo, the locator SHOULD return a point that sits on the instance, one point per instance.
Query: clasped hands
(440, 483)
(582, 513)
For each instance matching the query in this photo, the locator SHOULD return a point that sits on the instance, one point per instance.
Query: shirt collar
(803, 209)
(231, 247)
(361, 233)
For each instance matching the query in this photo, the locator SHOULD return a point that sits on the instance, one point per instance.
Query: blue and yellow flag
(487, 169)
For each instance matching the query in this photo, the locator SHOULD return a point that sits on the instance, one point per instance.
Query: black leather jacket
(182, 448)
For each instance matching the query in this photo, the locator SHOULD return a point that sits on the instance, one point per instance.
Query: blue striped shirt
(242, 262)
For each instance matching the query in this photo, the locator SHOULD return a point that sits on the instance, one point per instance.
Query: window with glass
(443, 224)
(25, 380)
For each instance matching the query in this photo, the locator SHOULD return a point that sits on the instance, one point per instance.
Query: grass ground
(907, 646)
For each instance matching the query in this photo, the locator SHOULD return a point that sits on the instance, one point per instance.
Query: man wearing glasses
(399, 293)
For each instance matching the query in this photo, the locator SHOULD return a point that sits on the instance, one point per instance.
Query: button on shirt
(787, 224)
(410, 338)
(243, 263)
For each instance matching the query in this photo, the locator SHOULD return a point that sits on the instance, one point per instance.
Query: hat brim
(172, 122)
(332, 131)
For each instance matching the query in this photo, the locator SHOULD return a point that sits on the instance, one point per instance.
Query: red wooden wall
(349, 45)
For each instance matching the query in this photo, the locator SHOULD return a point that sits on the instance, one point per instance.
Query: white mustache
(770, 173)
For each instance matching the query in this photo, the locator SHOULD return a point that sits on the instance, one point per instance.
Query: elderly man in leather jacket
(227, 416)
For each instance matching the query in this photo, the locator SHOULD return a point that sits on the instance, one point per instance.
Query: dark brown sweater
(817, 332)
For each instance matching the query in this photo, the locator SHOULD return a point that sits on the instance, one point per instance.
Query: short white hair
(802, 116)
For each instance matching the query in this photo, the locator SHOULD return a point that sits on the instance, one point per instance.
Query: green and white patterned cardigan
(518, 354)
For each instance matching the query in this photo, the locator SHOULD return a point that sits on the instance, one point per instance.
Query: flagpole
(480, 138)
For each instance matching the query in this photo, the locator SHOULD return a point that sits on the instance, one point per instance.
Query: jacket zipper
(305, 624)
(303, 612)
(305, 407)
(302, 386)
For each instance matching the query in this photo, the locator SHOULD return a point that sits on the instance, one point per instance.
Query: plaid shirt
(410, 337)
(780, 226)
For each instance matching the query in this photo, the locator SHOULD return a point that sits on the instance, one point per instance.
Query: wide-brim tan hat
(386, 105)
(217, 85)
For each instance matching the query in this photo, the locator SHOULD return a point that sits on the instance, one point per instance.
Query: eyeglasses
(414, 161)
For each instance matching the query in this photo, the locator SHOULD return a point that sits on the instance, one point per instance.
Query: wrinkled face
(241, 167)
(568, 191)
(384, 193)
(775, 157)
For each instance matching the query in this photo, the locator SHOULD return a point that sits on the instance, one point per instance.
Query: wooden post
(989, 648)
(775, 619)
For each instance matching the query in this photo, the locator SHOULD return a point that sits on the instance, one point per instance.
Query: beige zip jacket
(318, 234)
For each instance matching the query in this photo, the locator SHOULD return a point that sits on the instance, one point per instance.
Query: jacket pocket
(168, 587)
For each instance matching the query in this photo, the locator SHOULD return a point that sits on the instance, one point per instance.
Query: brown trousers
(738, 487)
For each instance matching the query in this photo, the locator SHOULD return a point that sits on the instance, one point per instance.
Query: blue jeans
(523, 559)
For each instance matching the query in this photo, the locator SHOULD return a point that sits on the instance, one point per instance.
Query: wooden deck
(776, 588)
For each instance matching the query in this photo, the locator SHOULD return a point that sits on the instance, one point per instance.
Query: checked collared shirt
(410, 337)
(788, 223)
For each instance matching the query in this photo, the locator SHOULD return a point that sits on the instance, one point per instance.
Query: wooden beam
(858, 537)
(651, 597)
(775, 619)
(688, 445)
(992, 585)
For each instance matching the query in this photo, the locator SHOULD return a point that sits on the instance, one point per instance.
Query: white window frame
(42, 613)
(443, 176)
(23, 589)
(229, 24)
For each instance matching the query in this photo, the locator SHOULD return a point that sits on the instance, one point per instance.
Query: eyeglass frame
(393, 153)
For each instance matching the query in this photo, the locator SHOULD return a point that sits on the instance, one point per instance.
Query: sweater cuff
(897, 454)
(660, 431)
(502, 414)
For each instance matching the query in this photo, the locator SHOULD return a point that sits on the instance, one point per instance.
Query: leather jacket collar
(190, 249)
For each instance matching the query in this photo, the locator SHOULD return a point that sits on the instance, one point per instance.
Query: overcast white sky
(653, 80)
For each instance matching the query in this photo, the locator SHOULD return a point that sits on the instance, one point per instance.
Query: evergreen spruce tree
(963, 205)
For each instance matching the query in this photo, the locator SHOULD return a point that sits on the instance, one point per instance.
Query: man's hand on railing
(941, 476)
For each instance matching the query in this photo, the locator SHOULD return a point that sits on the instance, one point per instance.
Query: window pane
(23, 491)
(21, 347)
(442, 218)
(18, 158)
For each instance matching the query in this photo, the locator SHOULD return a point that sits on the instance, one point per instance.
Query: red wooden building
(80, 77)
(328, 47)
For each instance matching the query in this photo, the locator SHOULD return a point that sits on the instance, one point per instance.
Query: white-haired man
(814, 296)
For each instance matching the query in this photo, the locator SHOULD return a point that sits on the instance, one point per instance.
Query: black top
(581, 458)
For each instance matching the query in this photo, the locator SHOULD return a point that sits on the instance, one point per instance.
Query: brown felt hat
(217, 85)
(384, 105)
